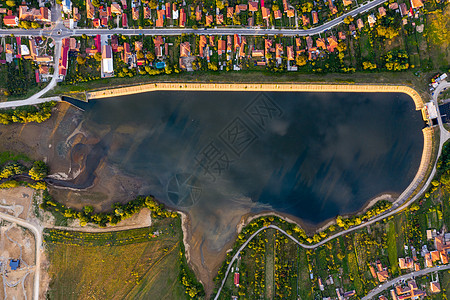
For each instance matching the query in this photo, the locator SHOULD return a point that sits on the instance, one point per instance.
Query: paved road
(37, 231)
(64, 32)
(389, 283)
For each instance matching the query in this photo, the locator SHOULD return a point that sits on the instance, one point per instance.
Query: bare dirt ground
(16, 201)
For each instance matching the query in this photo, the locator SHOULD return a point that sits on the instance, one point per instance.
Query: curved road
(38, 237)
(399, 205)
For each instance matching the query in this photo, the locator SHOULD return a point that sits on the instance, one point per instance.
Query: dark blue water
(312, 155)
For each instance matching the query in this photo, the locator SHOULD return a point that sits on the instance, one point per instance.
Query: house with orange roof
(381, 11)
(298, 43)
(147, 12)
(416, 4)
(372, 271)
(277, 14)
(393, 5)
(347, 2)
(411, 291)
(221, 46)
(198, 13)
(241, 7)
(242, 47)
(161, 16)
(382, 276)
(202, 45)
(104, 22)
(290, 13)
(444, 257)
(320, 42)
(435, 256)
(211, 40)
(278, 52)
(209, 19)
(185, 49)
(315, 17)
(158, 41)
(371, 19)
(230, 12)
(285, 5)
(332, 7)
(265, 13)
(360, 24)
(116, 9)
(428, 261)
(219, 19)
(96, 23)
(290, 53)
(237, 41)
(405, 263)
(332, 44)
(42, 14)
(435, 287)
(253, 6)
(305, 20)
(341, 35)
(182, 20)
(138, 45)
(135, 13)
(229, 43)
(267, 46)
(382, 298)
(309, 42)
(257, 53)
(11, 21)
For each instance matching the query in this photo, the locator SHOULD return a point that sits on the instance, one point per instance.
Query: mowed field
(132, 264)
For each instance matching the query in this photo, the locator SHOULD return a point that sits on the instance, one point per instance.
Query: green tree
(10, 3)
(38, 171)
(348, 20)
(81, 60)
(301, 60)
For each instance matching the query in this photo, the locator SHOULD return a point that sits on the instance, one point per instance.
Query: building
(410, 291)
(435, 287)
(371, 20)
(63, 59)
(67, 6)
(416, 4)
(347, 2)
(405, 263)
(321, 287)
(90, 10)
(265, 13)
(236, 279)
(185, 49)
(107, 61)
(315, 17)
(253, 6)
(360, 24)
(116, 9)
(42, 14)
(403, 9)
(277, 14)
(382, 11)
(14, 264)
(11, 20)
(182, 21)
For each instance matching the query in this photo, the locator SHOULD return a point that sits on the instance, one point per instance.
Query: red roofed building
(185, 49)
(124, 21)
(209, 19)
(290, 53)
(236, 279)
(305, 20)
(332, 41)
(277, 14)
(219, 19)
(160, 20)
(168, 10)
(63, 58)
(126, 52)
(230, 12)
(265, 13)
(416, 3)
(253, 6)
(221, 47)
(182, 22)
(315, 17)
(135, 13)
(11, 20)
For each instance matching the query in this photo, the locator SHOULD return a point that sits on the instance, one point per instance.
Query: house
(315, 17)
(309, 42)
(382, 276)
(253, 6)
(168, 10)
(202, 45)
(416, 267)
(360, 24)
(305, 20)
(242, 47)
(382, 11)
(221, 46)
(241, 7)
(236, 279)
(208, 20)
(405, 263)
(124, 21)
(290, 13)
(161, 16)
(341, 35)
(67, 6)
(229, 43)
(116, 9)
(107, 61)
(11, 20)
(444, 257)
(135, 13)
(175, 12)
(96, 23)
(14, 264)
(347, 2)
(382, 298)
(285, 5)
(428, 260)
(230, 12)
(147, 12)
(394, 6)
(257, 53)
(290, 53)
(219, 19)
(138, 45)
(237, 41)
(267, 46)
(42, 14)
(416, 4)
(435, 287)
(372, 271)
(321, 287)
(371, 19)
(3, 10)
(182, 20)
(63, 58)
(298, 43)
(158, 41)
(332, 7)
(403, 9)
(126, 53)
(408, 292)
(277, 14)
(104, 22)
(265, 13)
(185, 49)
(90, 10)
(278, 52)
(320, 42)
(198, 14)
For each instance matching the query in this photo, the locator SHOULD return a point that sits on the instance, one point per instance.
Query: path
(37, 231)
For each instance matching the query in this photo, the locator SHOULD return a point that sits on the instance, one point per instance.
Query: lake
(311, 155)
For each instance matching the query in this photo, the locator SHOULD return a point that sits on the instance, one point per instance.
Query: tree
(81, 60)
(219, 4)
(140, 55)
(96, 3)
(98, 56)
(10, 3)
(275, 7)
(38, 171)
(348, 20)
(301, 60)
(153, 4)
(150, 56)
(341, 47)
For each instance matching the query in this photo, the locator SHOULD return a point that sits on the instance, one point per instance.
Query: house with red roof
(124, 21)
(11, 21)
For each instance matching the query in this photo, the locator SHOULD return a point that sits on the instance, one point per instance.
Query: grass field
(133, 264)
(392, 247)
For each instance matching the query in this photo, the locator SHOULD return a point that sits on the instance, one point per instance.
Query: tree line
(28, 113)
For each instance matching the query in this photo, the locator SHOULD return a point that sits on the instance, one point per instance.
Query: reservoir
(213, 154)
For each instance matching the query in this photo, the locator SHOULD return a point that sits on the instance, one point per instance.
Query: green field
(392, 247)
(131, 264)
